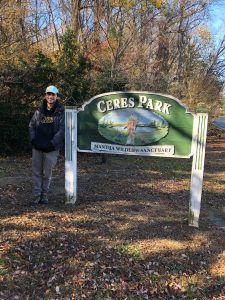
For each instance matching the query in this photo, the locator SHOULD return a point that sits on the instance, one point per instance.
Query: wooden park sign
(137, 123)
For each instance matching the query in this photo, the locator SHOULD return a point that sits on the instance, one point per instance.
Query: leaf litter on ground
(127, 237)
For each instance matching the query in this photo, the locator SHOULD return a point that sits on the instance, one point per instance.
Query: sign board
(135, 123)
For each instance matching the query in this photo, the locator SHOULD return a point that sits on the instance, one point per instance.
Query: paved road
(220, 123)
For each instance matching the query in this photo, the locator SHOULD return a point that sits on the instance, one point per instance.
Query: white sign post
(198, 149)
(71, 155)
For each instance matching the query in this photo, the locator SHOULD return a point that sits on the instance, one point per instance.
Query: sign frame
(197, 152)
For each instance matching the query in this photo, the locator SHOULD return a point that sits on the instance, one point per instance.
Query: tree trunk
(75, 15)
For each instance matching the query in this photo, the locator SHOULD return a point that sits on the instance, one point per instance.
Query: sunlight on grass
(213, 186)
(120, 203)
(157, 245)
(137, 218)
(218, 267)
(168, 185)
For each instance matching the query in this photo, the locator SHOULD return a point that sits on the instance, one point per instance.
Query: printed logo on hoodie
(47, 120)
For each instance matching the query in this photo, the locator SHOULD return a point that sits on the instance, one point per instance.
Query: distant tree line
(86, 47)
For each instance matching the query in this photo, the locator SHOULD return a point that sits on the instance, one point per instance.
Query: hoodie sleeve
(32, 126)
(59, 137)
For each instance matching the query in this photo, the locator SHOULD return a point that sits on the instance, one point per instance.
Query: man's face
(51, 98)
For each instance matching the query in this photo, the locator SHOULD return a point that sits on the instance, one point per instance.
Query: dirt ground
(126, 238)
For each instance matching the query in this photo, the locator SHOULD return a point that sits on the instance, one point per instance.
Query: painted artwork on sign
(137, 123)
(133, 127)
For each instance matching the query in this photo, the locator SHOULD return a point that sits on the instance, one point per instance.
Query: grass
(133, 250)
(126, 238)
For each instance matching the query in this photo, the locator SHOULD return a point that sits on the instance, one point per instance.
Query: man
(46, 132)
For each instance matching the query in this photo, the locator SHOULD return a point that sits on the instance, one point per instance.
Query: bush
(23, 83)
(13, 131)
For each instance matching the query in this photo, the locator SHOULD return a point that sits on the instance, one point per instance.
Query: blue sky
(217, 22)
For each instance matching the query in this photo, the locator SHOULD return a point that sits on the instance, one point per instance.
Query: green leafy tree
(73, 69)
